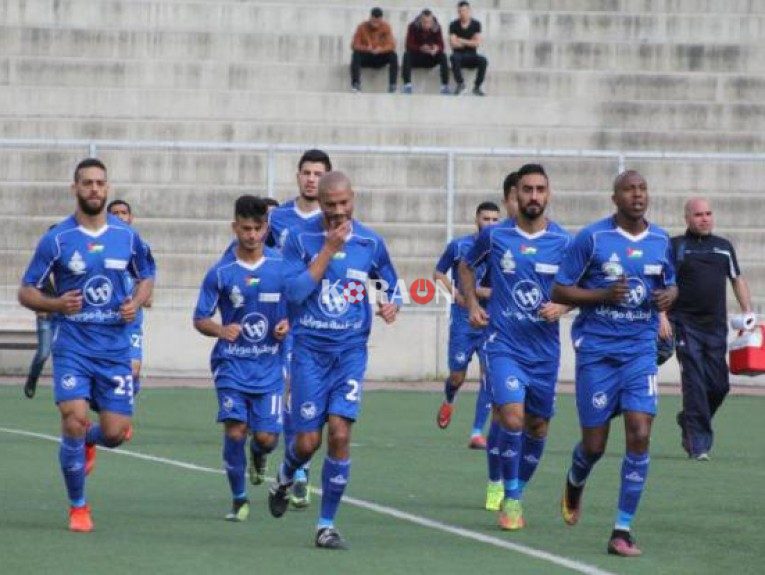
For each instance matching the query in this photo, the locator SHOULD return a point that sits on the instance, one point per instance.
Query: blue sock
(236, 463)
(71, 456)
(634, 475)
(94, 436)
(510, 452)
(493, 459)
(334, 478)
(449, 391)
(581, 465)
(531, 453)
(482, 410)
(292, 462)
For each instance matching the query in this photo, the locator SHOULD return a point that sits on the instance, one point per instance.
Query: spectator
(465, 38)
(703, 262)
(424, 49)
(374, 47)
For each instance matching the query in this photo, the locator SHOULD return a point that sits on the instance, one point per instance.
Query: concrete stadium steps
(421, 112)
(323, 49)
(256, 77)
(250, 17)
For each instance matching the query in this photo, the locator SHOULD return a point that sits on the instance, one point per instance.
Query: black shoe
(684, 440)
(355, 87)
(330, 538)
(257, 468)
(278, 499)
(478, 92)
(30, 387)
(459, 88)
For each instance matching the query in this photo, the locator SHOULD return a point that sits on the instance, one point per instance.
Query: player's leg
(459, 358)
(344, 406)
(265, 423)
(136, 358)
(482, 402)
(44, 335)
(539, 408)
(233, 408)
(495, 491)
(639, 400)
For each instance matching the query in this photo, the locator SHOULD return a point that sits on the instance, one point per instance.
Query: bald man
(703, 261)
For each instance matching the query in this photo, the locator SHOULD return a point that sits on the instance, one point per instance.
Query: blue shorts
(260, 411)
(513, 382)
(106, 383)
(136, 344)
(324, 384)
(605, 387)
(464, 341)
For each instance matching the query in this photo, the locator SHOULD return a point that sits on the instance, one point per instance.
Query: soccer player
(522, 349)
(313, 164)
(122, 210)
(619, 272)
(91, 254)
(510, 194)
(328, 263)
(464, 339)
(246, 361)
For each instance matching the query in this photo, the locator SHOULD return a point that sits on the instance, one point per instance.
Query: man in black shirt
(465, 38)
(703, 262)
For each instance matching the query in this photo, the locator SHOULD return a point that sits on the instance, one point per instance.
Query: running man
(92, 255)
(619, 272)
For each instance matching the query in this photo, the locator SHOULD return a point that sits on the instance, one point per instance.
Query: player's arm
(383, 269)
(143, 269)
(207, 303)
(466, 271)
(444, 264)
(664, 298)
(30, 293)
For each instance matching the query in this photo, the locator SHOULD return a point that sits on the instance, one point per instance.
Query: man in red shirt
(424, 49)
(374, 47)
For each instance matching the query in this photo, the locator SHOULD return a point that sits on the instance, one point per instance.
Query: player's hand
(230, 332)
(618, 291)
(665, 327)
(128, 310)
(663, 299)
(552, 311)
(281, 329)
(335, 239)
(459, 299)
(70, 302)
(387, 311)
(478, 317)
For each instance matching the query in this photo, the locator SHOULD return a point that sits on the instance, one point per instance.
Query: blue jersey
(252, 296)
(334, 314)
(521, 269)
(102, 265)
(599, 255)
(136, 325)
(455, 251)
(284, 218)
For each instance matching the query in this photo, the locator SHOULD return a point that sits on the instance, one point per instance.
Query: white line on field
(371, 506)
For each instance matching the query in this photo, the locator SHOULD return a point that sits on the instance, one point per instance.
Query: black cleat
(330, 538)
(257, 468)
(30, 387)
(278, 499)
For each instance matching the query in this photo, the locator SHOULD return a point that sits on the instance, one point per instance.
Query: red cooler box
(747, 353)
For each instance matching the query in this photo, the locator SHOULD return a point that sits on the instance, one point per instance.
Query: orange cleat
(80, 520)
(444, 417)
(621, 544)
(129, 432)
(571, 503)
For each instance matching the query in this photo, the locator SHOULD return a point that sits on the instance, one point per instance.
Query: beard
(532, 211)
(88, 209)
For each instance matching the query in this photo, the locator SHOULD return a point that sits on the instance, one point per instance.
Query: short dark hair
(426, 12)
(316, 156)
(463, 3)
(511, 180)
(88, 163)
(527, 169)
(271, 202)
(486, 207)
(118, 202)
(376, 12)
(250, 207)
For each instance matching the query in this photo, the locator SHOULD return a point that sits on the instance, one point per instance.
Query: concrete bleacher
(673, 75)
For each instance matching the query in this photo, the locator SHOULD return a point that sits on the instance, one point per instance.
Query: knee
(266, 441)
(638, 436)
(74, 424)
(457, 378)
(114, 438)
(511, 420)
(306, 444)
(339, 437)
(236, 432)
(536, 427)
(593, 449)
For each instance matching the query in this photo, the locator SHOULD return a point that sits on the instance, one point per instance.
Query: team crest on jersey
(460, 357)
(228, 403)
(512, 383)
(308, 410)
(236, 297)
(613, 267)
(76, 264)
(69, 382)
(507, 263)
(600, 400)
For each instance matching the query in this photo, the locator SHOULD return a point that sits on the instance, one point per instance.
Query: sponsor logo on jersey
(527, 295)
(254, 327)
(236, 297)
(600, 400)
(76, 264)
(528, 250)
(637, 293)
(98, 291)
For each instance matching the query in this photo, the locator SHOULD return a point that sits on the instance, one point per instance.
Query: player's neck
(305, 205)
(531, 226)
(92, 223)
(633, 227)
(249, 256)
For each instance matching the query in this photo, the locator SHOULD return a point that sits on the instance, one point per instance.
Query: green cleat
(511, 515)
(240, 510)
(495, 493)
(257, 468)
(300, 497)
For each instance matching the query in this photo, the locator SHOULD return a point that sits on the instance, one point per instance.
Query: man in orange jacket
(374, 47)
